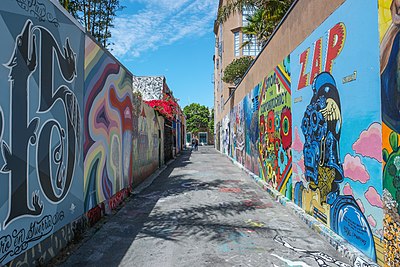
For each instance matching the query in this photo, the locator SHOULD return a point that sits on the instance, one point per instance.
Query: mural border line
(341, 245)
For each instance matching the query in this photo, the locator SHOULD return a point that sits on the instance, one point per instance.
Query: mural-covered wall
(41, 109)
(108, 126)
(237, 132)
(337, 131)
(251, 105)
(334, 137)
(146, 141)
(389, 27)
(275, 129)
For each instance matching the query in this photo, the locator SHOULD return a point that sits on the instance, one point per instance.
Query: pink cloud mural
(371, 220)
(294, 168)
(297, 143)
(360, 205)
(354, 169)
(373, 197)
(347, 190)
(369, 144)
(301, 164)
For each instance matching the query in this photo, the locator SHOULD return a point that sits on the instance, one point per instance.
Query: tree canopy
(96, 16)
(197, 117)
(267, 15)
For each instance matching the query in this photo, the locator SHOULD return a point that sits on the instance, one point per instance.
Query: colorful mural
(250, 106)
(41, 104)
(146, 141)
(336, 139)
(237, 132)
(275, 129)
(225, 135)
(108, 126)
(389, 28)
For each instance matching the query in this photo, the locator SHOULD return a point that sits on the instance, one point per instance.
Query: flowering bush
(166, 107)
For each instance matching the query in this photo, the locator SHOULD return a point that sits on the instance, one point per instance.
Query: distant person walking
(193, 144)
(196, 146)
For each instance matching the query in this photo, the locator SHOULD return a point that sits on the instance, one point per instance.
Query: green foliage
(96, 16)
(236, 69)
(197, 117)
(267, 15)
(272, 7)
(211, 122)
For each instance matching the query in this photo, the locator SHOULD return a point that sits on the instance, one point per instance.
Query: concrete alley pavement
(204, 211)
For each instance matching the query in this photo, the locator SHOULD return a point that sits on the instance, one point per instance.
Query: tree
(267, 15)
(260, 26)
(197, 117)
(272, 7)
(234, 72)
(211, 122)
(96, 16)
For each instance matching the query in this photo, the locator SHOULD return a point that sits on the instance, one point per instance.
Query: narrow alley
(204, 211)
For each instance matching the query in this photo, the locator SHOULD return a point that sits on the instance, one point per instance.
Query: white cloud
(159, 23)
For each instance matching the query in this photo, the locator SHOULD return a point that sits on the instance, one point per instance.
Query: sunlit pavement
(204, 211)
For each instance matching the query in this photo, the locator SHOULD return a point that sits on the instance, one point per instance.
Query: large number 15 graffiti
(57, 140)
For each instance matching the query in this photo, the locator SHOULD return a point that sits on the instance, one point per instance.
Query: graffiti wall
(337, 131)
(275, 129)
(225, 135)
(237, 132)
(389, 27)
(108, 126)
(151, 88)
(250, 106)
(41, 107)
(146, 141)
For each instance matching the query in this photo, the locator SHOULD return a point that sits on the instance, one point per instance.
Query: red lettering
(336, 38)
(316, 67)
(304, 77)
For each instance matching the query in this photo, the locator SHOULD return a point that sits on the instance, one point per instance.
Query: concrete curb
(149, 180)
(341, 245)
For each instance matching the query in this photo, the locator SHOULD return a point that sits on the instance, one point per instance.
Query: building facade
(228, 46)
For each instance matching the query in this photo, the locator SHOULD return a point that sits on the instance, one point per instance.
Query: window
(246, 12)
(252, 49)
(203, 136)
(236, 43)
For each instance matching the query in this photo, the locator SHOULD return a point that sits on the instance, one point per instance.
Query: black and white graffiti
(151, 88)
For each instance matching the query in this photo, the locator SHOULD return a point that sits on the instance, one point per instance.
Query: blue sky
(173, 38)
